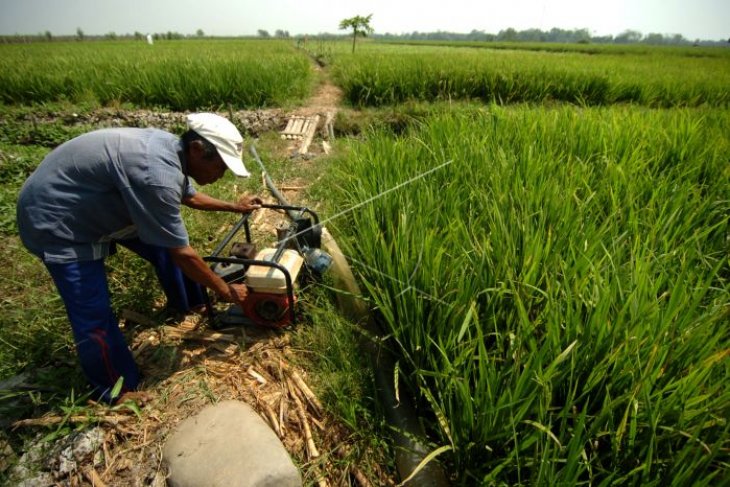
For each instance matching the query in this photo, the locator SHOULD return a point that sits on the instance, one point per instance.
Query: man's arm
(196, 269)
(201, 201)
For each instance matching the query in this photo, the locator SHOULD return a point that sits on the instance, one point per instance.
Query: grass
(387, 74)
(558, 293)
(179, 75)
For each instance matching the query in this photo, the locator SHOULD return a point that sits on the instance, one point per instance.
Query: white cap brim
(234, 164)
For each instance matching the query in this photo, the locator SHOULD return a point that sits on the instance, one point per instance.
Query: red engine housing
(268, 309)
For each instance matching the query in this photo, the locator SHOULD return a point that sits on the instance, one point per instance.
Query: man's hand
(201, 201)
(237, 294)
(196, 269)
(247, 203)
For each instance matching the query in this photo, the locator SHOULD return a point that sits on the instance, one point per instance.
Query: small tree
(628, 36)
(508, 35)
(360, 27)
(264, 33)
(200, 33)
(47, 34)
(79, 34)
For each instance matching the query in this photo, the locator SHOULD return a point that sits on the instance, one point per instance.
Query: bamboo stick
(271, 415)
(297, 128)
(362, 480)
(312, 451)
(308, 394)
(113, 419)
(94, 478)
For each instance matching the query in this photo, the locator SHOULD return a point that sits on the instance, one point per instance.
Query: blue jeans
(182, 292)
(102, 349)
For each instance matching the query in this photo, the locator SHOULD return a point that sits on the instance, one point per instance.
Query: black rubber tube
(406, 431)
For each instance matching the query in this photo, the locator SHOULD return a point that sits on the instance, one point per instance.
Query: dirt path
(327, 98)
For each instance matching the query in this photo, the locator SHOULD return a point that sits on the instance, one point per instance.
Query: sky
(694, 19)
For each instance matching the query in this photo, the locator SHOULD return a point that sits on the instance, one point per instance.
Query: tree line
(555, 34)
(80, 35)
(568, 36)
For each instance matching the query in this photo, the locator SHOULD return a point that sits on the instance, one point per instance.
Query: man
(125, 186)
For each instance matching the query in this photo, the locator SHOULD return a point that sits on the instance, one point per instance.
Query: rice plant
(559, 291)
(383, 75)
(633, 49)
(179, 75)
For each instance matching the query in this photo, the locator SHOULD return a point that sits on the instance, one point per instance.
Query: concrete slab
(228, 445)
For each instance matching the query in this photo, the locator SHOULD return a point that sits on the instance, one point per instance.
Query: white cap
(224, 136)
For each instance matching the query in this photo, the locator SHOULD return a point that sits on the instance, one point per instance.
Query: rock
(43, 479)
(87, 443)
(7, 454)
(20, 381)
(16, 404)
(73, 450)
(229, 445)
(59, 460)
(66, 464)
(28, 470)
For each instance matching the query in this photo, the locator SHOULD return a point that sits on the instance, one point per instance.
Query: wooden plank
(297, 128)
(328, 122)
(309, 136)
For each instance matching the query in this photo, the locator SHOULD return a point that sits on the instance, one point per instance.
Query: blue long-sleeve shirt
(105, 185)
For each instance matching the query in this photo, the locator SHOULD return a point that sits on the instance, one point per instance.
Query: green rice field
(177, 75)
(386, 75)
(559, 291)
(542, 234)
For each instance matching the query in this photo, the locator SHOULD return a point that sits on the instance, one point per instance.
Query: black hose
(407, 432)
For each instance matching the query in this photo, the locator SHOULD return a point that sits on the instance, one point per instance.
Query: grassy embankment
(558, 293)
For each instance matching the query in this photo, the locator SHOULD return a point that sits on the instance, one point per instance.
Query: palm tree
(360, 27)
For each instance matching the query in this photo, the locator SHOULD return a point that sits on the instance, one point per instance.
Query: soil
(186, 365)
(327, 99)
